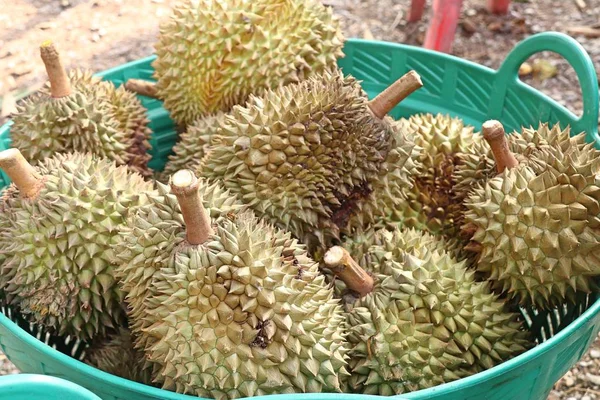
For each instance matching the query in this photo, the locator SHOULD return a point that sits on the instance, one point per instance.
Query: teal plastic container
(451, 85)
(41, 387)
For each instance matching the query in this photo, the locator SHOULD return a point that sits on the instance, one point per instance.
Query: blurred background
(99, 34)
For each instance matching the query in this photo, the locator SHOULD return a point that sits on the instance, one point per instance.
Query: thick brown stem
(395, 93)
(60, 85)
(142, 87)
(184, 185)
(344, 267)
(21, 173)
(493, 133)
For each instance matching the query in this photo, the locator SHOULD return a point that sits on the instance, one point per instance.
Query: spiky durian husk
(212, 54)
(246, 313)
(397, 174)
(95, 118)
(193, 145)
(429, 204)
(302, 156)
(116, 355)
(477, 167)
(427, 321)
(133, 120)
(59, 247)
(146, 243)
(536, 228)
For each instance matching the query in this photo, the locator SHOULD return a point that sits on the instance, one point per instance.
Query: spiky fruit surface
(116, 355)
(388, 193)
(246, 313)
(426, 322)
(193, 145)
(302, 156)
(58, 248)
(536, 227)
(94, 118)
(429, 205)
(212, 55)
(147, 242)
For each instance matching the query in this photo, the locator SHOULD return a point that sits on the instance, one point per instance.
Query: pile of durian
(299, 239)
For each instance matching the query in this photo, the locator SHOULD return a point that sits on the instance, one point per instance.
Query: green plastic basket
(41, 387)
(454, 86)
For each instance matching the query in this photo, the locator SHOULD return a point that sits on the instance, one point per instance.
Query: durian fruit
(425, 322)
(305, 156)
(240, 309)
(430, 203)
(149, 238)
(535, 227)
(60, 223)
(193, 145)
(116, 355)
(79, 112)
(212, 54)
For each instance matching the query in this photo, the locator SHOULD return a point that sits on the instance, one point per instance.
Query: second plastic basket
(452, 86)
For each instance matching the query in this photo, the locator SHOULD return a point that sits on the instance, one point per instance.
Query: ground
(100, 34)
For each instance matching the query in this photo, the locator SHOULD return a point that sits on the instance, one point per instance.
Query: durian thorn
(60, 85)
(341, 263)
(493, 133)
(21, 173)
(185, 185)
(142, 87)
(395, 93)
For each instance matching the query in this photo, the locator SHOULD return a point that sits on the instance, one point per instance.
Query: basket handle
(574, 53)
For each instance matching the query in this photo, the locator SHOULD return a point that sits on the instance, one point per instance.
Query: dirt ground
(99, 34)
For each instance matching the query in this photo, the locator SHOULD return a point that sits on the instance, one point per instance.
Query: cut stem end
(60, 85)
(25, 177)
(493, 133)
(184, 185)
(142, 87)
(339, 261)
(385, 101)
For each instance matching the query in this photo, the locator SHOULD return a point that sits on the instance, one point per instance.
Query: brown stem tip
(25, 177)
(493, 133)
(60, 86)
(344, 267)
(142, 87)
(395, 93)
(184, 185)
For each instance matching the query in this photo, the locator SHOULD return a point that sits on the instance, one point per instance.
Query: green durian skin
(302, 156)
(428, 204)
(147, 241)
(427, 321)
(57, 250)
(116, 355)
(193, 145)
(212, 54)
(245, 313)
(95, 118)
(536, 227)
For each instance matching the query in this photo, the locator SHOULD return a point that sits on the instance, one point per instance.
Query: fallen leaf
(9, 105)
(543, 69)
(525, 69)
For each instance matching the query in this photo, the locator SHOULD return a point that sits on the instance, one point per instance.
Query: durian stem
(60, 85)
(21, 173)
(493, 133)
(142, 87)
(341, 263)
(395, 93)
(184, 185)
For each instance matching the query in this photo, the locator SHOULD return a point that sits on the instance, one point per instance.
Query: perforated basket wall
(452, 86)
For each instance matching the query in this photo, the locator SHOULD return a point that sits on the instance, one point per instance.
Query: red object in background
(442, 26)
(416, 10)
(498, 6)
